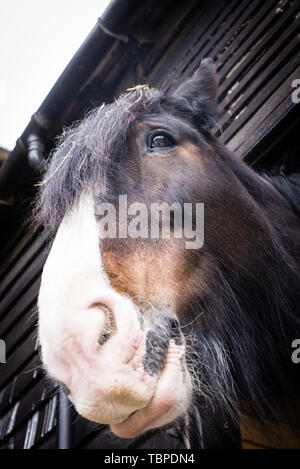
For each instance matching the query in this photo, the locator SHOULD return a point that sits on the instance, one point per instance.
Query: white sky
(37, 40)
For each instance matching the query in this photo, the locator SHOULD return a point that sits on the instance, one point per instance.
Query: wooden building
(255, 46)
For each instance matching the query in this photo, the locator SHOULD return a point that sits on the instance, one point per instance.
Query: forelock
(87, 152)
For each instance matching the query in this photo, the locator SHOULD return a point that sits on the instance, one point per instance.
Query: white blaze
(72, 278)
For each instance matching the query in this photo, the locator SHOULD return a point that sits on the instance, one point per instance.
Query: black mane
(289, 186)
(88, 152)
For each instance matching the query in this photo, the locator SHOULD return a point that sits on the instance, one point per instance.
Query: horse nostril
(109, 325)
(104, 338)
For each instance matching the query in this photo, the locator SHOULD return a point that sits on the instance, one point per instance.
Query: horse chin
(171, 399)
(127, 419)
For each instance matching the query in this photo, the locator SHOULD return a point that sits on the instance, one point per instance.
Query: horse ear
(199, 93)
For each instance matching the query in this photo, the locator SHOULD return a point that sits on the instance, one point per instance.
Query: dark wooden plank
(273, 87)
(269, 123)
(260, 74)
(226, 32)
(20, 357)
(46, 423)
(48, 442)
(16, 334)
(165, 30)
(20, 384)
(40, 394)
(24, 302)
(17, 250)
(7, 250)
(269, 150)
(219, 15)
(36, 429)
(241, 36)
(251, 126)
(255, 45)
(201, 20)
(21, 286)
(224, 19)
(23, 262)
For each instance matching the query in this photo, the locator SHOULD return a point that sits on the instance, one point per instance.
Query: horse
(145, 332)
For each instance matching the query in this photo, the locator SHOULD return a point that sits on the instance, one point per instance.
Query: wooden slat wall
(256, 49)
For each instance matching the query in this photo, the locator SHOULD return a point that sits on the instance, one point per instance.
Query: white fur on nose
(71, 281)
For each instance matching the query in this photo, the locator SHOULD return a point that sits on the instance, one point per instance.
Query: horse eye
(161, 141)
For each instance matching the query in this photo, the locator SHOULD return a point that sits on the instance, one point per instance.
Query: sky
(37, 40)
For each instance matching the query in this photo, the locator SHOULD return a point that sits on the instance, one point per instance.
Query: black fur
(289, 187)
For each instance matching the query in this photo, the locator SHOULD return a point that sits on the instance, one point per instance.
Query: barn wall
(256, 49)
